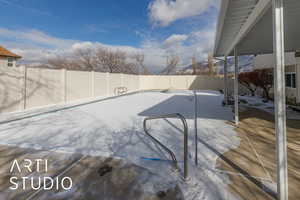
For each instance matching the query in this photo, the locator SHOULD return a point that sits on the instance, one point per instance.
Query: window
(290, 80)
(10, 62)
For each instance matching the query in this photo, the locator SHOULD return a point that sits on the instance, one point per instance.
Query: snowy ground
(257, 102)
(114, 128)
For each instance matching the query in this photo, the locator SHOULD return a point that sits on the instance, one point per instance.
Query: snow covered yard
(257, 102)
(113, 128)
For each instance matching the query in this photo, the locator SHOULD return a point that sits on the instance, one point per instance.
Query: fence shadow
(13, 92)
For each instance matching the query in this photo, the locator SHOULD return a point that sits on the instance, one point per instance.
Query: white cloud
(35, 55)
(175, 39)
(164, 12)
(35, 37)
(196, 44)
(36, 46)
(83, 45)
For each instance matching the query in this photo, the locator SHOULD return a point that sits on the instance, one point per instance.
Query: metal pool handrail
(183, 120)
(196, 126)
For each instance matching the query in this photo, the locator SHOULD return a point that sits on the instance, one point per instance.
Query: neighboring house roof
(6, 53)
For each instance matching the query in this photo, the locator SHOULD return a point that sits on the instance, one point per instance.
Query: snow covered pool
(114, 128)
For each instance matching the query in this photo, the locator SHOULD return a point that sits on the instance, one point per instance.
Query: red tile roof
(6, 53)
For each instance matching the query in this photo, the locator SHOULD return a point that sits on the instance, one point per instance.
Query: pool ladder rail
(185, 131)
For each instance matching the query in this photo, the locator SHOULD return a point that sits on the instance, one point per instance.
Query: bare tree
(262, 78)
(129, 68)
(172, 62)
(140, 58)
(110, 61)
(211, 65)
(247, 79)
(60, 62)
(115, 61)
(86, 58)
(100, 60)
(194, 65)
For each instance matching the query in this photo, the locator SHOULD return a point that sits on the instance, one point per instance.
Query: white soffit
(266, 61)
(255, 34)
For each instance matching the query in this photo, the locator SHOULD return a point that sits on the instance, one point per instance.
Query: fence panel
(78, 85)
(131, 82)
(115, 81)
(43, 87)
(146, 82)
(155, 82)
(101, 84)
(10, 89)
(179, 82)
(49, 86)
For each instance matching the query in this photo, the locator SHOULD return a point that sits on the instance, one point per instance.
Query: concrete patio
(252, 166)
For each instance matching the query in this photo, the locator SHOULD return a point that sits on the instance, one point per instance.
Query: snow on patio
(259, 103)
(113, 128)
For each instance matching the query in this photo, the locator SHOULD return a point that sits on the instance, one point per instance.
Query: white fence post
(64, 85)
(107, 83)
(22, 82)
(93, 83)
(122, 80)
(139, 82)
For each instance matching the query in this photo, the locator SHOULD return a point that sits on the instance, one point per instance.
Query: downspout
(297, 55)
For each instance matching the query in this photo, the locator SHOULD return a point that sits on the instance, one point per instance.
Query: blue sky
(38, 29)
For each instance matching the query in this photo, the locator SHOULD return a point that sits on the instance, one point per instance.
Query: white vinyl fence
(24, 88)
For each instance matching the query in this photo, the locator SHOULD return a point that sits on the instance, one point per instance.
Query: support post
(280, 107)
(236, 86)
(225, 82)
(25, 88)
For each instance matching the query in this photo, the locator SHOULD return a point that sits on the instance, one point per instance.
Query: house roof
(6, 53)
(248, 24)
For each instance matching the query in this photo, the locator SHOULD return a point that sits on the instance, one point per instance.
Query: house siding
(4, 61)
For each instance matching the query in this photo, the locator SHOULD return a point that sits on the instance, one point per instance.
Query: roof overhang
(14, 57)
(247, 24)
(4, 53)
